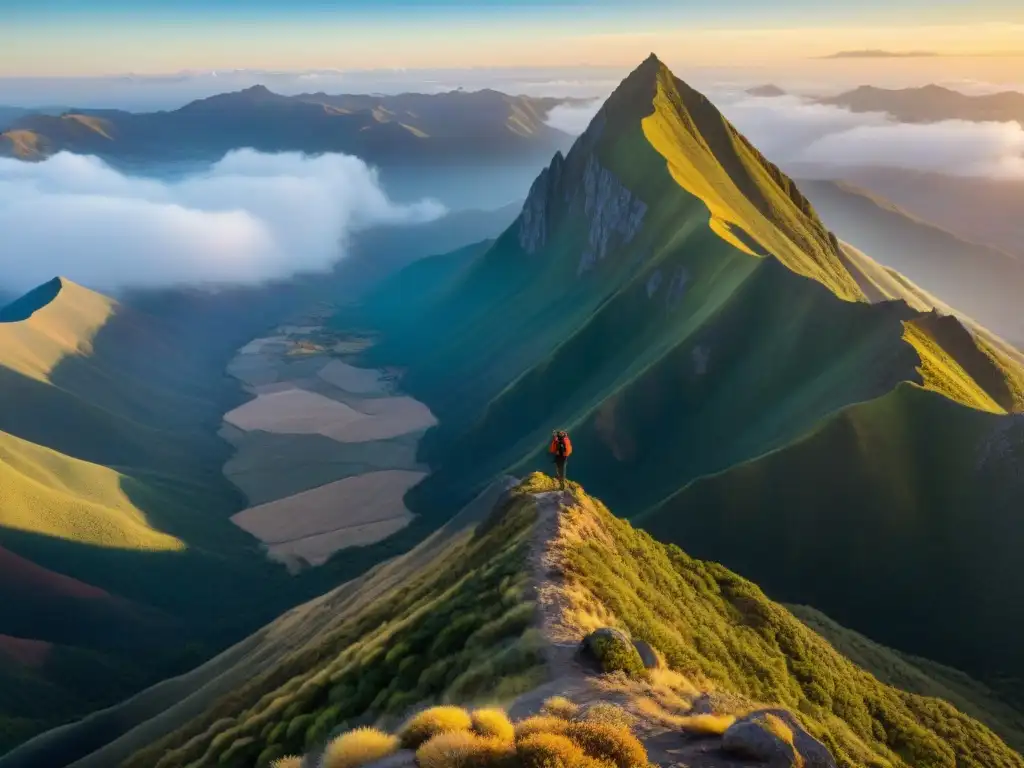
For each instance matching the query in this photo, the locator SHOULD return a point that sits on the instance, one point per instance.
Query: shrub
(540, 724)
(358, 747)
(616, 654)
(604, 742)
(549, 750)
(291, 761)
(606, 713)
(462, 749)
(706, 725)
(559, 706)
(493, 723)
(430, 722)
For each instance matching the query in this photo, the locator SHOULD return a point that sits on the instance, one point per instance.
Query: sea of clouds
(799, 134)
(248, 218)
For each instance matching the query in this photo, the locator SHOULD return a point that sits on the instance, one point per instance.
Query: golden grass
(462, 749)
(541, 724)
(705, 725)
(549, 750)
(424, 725)
(559, 706)
(699, 170)
(605, 742)
(607, 713)
(493, 723)
(25, 145)
(57, 496)
(359, 747)
(292, 761)
(941, 372)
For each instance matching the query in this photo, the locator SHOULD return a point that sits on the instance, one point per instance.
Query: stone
(776, 738)
(647, 654)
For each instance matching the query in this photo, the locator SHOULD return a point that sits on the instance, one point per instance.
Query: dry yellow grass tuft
(493, 723)
(358, 747)
(706, 725)
(541, 724)
(292, 761)
(549, 750)
(605, 742)
(606, 713)
(425, 725)
(462, 749)
(560, 706)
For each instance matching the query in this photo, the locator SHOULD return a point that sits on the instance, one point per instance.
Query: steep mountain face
(982, 282)
(410, 128)
(673, 300)
(491, 609)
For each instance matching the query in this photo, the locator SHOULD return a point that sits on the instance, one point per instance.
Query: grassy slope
(908, 502)
(662, 386)
(719, 628)
(112, 476)
(983, 282)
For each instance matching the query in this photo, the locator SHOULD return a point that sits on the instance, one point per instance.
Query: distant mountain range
(478, 126)
(927, 104)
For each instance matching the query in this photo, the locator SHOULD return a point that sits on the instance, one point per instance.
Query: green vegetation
(717, 628)
(457, 628)
(616, 654)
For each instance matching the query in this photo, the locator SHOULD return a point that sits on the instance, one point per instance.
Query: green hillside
(671, 298)
(462, 619)
(983, 282)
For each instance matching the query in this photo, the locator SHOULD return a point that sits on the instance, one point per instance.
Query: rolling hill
(409, 129)
(982, 282)
(490, 609)
(671, 298)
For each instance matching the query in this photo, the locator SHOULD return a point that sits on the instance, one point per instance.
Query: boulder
(776, 738)
(610, 650)
(647, 654)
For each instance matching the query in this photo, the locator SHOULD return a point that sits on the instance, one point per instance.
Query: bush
(462, 749)
(614, 652)
(540, 724)
(604, 742)
(493, 723)
(549, 750)
(706, 725)
(358, 747)
(430, 722)
(559, 706)
(606, 713)
(291, 761)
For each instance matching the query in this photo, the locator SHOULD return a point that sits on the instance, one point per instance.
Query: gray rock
(752, 738)
(677, 287)
(403, 758)
(534, 221)
(614, 213)
(588, 645)
(647, 654)
(653, 283)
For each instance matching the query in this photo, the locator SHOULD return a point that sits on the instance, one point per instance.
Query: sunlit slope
(611, 307)
(911, 504)
(47, 493)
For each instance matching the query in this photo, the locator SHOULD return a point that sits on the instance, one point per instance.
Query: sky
(50, 38)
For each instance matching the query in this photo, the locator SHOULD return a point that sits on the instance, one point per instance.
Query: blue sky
(66, 37)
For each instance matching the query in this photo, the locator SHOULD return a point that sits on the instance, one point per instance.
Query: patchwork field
(325, 450)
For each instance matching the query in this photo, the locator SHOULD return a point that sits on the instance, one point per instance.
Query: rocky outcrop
(677, 287)
(535, 220)
(775, 738)
(614, 212)
(654, 283)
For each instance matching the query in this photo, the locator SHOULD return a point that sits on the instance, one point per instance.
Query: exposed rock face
(775, 738)
(677, 287)
(647, 654)
(615, 214)
(534, 222)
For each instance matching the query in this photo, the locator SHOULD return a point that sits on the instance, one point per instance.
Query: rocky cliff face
(614, 213)
(534, 222)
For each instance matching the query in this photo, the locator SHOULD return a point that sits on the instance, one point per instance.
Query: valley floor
(325, 450)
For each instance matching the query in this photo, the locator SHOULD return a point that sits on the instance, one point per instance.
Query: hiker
(560, 450)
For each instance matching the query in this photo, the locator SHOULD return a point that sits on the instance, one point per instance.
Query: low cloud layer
(798, 134)
(248, 218)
